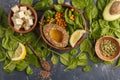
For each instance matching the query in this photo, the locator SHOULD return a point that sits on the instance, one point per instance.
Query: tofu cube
(23, 8)
(21, 14)
(30, 22)
(27, 27)
(17, 27)
(28, 12)
(15, 8)
(18, 22)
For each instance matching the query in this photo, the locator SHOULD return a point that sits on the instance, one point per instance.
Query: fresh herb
(79, 4)
(87, 68)
(54, 59)
(60, 1)
(58, 8)
(28, 2)
(43, 4)
(49, 14)
(29, 70)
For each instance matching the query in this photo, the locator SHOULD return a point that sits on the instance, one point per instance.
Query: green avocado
(112, 10)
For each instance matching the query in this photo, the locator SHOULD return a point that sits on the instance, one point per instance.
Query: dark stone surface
(99, 71)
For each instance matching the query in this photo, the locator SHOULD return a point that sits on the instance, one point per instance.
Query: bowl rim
(98, 52)
(68, 47)
(23, 31)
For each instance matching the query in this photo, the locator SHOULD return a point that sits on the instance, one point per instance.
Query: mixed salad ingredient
(22, 17)
(71, 59)
(69, 20)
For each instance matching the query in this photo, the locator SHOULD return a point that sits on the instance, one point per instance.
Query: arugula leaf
(28, 2)
(29, 70)
(54, 59)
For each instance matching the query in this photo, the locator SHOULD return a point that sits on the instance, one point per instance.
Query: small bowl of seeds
(107, 48)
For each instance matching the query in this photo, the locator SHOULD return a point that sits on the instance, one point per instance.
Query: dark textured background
(99, 71)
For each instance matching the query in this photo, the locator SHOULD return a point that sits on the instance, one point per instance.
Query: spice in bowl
(108, 48)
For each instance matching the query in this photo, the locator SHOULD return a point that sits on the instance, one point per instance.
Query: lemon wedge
(76, 36)
(20, 53)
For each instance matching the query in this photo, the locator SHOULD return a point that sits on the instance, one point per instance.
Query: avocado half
(107, 14)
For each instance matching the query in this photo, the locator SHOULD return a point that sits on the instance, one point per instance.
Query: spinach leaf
(28, 2)
(117, 64)
(108, 62)
(9, 66)
(60, 1)
(2, 31)
(95, 30)
(54, 59)
(87, 68)
(2, 53)
(58, 8)
(78, 21)
(67, 18)
(21, 65)
(29, 70)
(32, 59)
(89, 2)
(43, 4)
(82, 59)
(91, 12)
(9, 54)
(72, 64)
(73, 52)
(79, 4)
(1, 13)
(49, 14)
(64, 58)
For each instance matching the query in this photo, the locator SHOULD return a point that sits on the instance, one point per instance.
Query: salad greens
(71, 59)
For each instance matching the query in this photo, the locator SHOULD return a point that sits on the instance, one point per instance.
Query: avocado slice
(112, 10)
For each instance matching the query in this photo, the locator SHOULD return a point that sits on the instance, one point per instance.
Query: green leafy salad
(98, 27)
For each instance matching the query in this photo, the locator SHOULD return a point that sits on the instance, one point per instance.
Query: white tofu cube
(30, 22)
(27, 17)
(21, 14)
(18, 22)
(23, 8)
(28, 12)
(17, 27)
(27, 27)
(15, 8)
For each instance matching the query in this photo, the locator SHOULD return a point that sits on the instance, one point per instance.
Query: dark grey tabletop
(99, 71)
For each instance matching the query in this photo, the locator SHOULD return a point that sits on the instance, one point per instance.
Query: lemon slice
(20, 53)
(76, 36)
